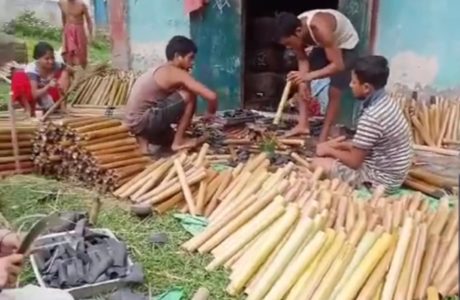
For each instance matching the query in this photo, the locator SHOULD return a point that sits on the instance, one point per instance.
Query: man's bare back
(73, 11)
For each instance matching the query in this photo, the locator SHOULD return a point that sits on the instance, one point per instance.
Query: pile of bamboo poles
(186, 182)
(105, 88)
(286, 236)
(434, 124)
(427, 182)
(97, 151)
(25, 134)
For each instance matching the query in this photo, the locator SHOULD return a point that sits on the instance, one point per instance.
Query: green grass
(21, 198)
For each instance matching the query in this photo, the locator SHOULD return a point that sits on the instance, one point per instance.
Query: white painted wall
(44, 9)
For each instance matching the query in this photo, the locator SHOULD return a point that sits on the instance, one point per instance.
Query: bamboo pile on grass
(103, 87)
(25, 134)
(186, 182)
(435, 124)
(286, 237)
(97, 151)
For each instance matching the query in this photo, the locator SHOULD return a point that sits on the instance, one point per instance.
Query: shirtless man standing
(167, 95)
(75, 41)
(334, 39)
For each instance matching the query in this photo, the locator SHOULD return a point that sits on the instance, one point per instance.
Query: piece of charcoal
(62, 275)
(80, 228)
(118, 252)
(135, 275)
(99, 266)
(68, 221)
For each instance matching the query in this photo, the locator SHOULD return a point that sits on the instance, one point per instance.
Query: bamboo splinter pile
(287, 237)
(185, 181)
(96, 151)
(25, 135)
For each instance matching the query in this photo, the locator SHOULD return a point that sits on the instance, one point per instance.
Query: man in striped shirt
(381, 150)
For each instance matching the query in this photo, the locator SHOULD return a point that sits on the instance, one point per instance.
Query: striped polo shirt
(384, 132)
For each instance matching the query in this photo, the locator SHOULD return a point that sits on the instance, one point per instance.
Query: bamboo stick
(427, 266)
(282, 103)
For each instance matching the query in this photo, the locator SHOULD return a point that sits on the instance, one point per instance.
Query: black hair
(180, 45)
(286, 24)
(372, 69)
(41, 48)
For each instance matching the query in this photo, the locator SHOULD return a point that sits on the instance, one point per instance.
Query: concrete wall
(47, 10)
(422, 41)
(151, 23)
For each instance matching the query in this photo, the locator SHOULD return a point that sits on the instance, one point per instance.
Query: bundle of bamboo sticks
(427, 182)
(97, 151)
(287, 237)
(435, 124)
(25, 134)
(186, 181)
(105, 88)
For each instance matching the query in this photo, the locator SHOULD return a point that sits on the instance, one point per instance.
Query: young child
(167, 95)
(381, 150)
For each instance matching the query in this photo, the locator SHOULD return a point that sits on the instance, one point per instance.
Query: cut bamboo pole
(296, 267)
(365, 268)
(427, 266)
(282, 103)
(185, 188)
(201, 198)
(415, 270)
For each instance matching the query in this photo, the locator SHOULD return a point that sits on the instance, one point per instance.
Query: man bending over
(334, 39)
(167, 95)
(381, 150)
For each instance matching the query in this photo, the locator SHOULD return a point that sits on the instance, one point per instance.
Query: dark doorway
(266, 63)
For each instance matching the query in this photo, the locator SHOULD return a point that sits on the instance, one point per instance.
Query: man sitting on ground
(381, 150)
(167, 95)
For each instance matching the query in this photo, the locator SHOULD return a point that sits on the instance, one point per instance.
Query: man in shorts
(381, 150)
(167, 95)
(334, 40)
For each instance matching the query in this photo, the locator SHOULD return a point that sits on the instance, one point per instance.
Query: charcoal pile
(83, 257)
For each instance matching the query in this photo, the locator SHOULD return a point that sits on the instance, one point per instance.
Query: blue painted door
(217, 31)
(101, 13)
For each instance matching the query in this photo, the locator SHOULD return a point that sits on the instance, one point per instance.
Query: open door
(217, 31)
(360, 14)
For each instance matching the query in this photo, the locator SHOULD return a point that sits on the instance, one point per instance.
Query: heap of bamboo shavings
(25, 134)
(103, 87)
(435, 125)
(97, 151)
(284, 236)
(186, 181)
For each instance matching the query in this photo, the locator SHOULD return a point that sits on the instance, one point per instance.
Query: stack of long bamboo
(435, 124)
(98, 151)
(25, 134)
(184, 181)
(284, 237)
(107, 87)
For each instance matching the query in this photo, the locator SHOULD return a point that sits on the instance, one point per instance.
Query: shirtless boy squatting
(167, 95)
(381, 150)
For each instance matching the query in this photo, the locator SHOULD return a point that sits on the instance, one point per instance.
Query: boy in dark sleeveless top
(167, 95)
(334, 40)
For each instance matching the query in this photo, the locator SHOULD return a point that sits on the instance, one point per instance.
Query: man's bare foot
(296, 131)
(188, 143)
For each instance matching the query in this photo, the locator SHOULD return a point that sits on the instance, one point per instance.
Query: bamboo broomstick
(450, 259)
(201, 198)
(280, 262)
(350, 217)
(117, 143)
(450, 281)
(169, 204)
(364, 246)
(377, 278)
(252, 165)
(234, 219)
(211, 189)
(202, 155)
(441, 218)
(278, 232)
(98, 125)
(420, 250)
(448, 235)
(107, 158)
(153, 178)
(359, 229)
(270, 217)
(228, 230)
(120, 149)
(324, 264)
(423, 133)
(226, 178)
(432, 293)
(402, 286)
(196, 177)
(366, 266)
(92, 135)
(282, 103)
(126, 162)
(325, 289)
(398, 260)
(301, 283)
(427, 266)
(172, 172)
(136, 182)
(295, 268)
